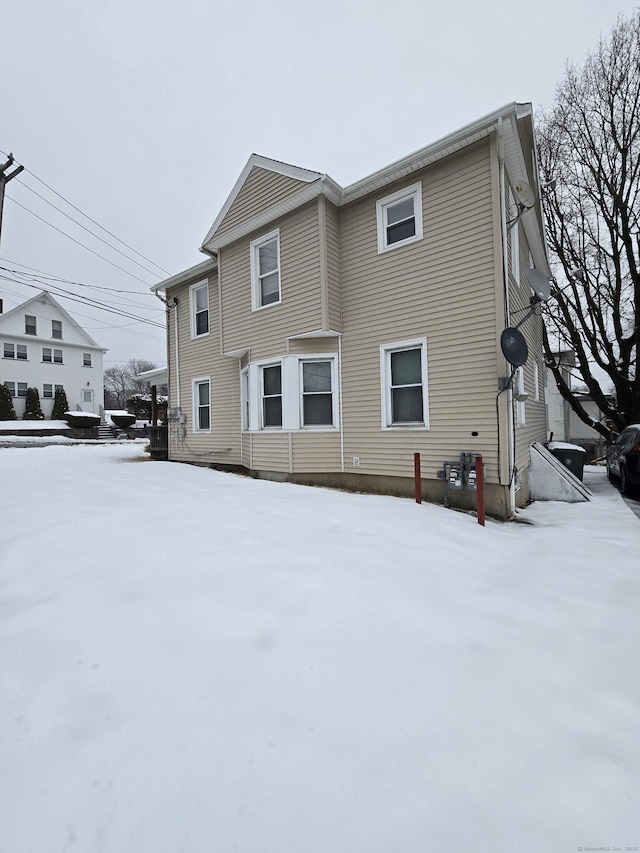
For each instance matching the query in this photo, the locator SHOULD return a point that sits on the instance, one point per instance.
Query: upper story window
(86, 359)
(50, 355)
(15, 351)
(56, 329)
(199, 301)
(30, 325)
(265, 271)
(403, 369)
(272, 396)
(399, 218)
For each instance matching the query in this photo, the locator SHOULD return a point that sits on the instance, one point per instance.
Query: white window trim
(192, 309)
(536, 383)
(255, 269)
(519, 388)
(84, 357)
(385, 384)
(251, 394)
(261, 368)
(195, 383)
(46, 396)
(332, 359)
(415, 192)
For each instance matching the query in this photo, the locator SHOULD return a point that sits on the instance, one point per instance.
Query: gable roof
(45, 296)
(513, 124)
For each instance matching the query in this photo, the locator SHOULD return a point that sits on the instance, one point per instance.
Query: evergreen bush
(32, 409)
(60, 405)
(7, 412)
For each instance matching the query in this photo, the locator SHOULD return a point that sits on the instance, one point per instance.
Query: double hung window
(272, 396)
(399, 218)
(56, 329)
(201, 405)
(86, 359)
(403, 368)
(30, 325)
(265, 271)
(47, 390)
(317, 394)
(18, 351)
(12, 388)
(199, 299)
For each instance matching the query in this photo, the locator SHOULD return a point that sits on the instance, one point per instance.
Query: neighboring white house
(43, 347)
(564, 423)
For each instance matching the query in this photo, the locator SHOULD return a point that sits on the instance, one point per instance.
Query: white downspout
(511, 450)
(175, 319)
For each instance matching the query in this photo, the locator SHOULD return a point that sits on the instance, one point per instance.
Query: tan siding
(201, 358)
(271, 451)
(316, 452)
(333, 267)
(313, 346)
(267, 330)
(262, 190)
(441, 288)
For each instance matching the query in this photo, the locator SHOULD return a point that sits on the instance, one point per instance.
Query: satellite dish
(524, 194)
(540, 284)
(514, 347)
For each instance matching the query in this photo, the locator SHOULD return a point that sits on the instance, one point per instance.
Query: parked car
(623, 459)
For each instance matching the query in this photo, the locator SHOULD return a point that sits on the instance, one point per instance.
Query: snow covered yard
(193, 661)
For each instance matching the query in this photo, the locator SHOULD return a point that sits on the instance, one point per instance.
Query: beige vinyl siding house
(350, 328)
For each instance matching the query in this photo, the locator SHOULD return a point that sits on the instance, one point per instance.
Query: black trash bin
(571, 456)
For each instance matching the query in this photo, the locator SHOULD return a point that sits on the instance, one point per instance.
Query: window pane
(272, 379)
(9, 351)
(56, 328)
(201, 299)
(47, 390)
(402, 231)
(12, 388)
(203, 394)
(46, 354)
(22, 389)
(402, 210)
(407, 405)
(29, 324)
(273, 411)
(270, 288)
(203, 417)
(318, 410)
(57, 356)
(316, 376)
(202, 323)
(22, 351)
(406, 367)
(268, 257)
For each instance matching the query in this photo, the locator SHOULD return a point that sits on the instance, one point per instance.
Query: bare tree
(589, 144)
(121, 380)
(115, 385)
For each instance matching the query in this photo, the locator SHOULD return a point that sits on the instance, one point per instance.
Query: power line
(79, 243)
(89, 231)
(82, 213)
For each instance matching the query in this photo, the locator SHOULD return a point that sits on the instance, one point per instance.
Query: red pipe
(480, 489)
(416, 474)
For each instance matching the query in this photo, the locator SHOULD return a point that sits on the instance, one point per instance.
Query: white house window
(272, 396)
(22, 389)
(57, 388)
(399, 218)
(519, 391)
(317, 393)
(47, 354)
(201, 405)
(47, 391)
(15, 351)
(30, 325)
(12, 388)
(87, 396)
(56, 329)
(199, 298)
(86, 359)
(403, 369)
(265, 271)
(57, 356)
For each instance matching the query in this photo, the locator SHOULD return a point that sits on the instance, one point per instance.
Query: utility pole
(5, 177)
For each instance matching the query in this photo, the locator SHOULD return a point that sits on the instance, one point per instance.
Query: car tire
(625, 488)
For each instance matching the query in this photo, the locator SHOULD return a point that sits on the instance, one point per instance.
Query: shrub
(32, 409)
(60, 405)
(7, 412)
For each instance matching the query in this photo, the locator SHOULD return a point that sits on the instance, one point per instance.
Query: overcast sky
(142, 114)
